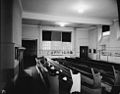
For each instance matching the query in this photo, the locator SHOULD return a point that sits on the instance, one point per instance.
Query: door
(30, 52)
(83, 51)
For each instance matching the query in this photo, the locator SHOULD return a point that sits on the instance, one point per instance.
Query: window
(56, 36)
(56, 43)
(106, 30)
(66, 36)
(94, 51)
(46, 35)
(90, 51)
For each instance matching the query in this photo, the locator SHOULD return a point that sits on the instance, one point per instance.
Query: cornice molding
(38, 16)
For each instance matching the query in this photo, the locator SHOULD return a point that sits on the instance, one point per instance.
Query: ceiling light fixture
(81, 10)
(62, 24)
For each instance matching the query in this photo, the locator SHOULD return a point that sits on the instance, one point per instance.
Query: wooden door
(30, 52)
(83, 51)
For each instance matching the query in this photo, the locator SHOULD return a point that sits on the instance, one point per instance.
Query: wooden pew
(88, 84)
(65, 79)
(105, 69)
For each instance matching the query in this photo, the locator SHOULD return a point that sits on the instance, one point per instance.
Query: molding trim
(38, 16)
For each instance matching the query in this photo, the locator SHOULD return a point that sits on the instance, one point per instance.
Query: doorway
(83, 51)
(30, 52)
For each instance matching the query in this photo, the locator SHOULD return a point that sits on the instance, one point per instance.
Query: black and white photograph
(60, 47)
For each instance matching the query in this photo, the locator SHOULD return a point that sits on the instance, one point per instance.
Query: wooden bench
(108, 71)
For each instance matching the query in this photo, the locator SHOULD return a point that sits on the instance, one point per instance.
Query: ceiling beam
(83, 20)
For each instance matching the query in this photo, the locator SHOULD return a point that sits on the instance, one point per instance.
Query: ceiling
(79, 13)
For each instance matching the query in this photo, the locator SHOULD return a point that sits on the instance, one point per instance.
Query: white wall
(79, 36)
(81, 39)
(112, 43)
(66, 29)
(93, 39)
(35, 32)
(30, 31)
(115, 32)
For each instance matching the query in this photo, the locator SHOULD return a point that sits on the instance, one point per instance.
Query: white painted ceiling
(94, 9)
